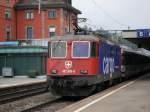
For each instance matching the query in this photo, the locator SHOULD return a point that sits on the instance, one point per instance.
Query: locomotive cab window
(93, 49)
(58, 49)
(81, 49)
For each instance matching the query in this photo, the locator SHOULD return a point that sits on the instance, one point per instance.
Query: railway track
(61, 102)
(44, 102)
(38, 100)
(14, 93)
(52, 106)
(31, 98)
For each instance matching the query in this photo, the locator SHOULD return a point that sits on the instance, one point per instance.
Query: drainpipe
(15, 11)
(62, 22)
(16, 25)
(43, 23)
(69, 21)
(42, 14)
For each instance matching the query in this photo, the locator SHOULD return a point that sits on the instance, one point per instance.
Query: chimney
(70, 2)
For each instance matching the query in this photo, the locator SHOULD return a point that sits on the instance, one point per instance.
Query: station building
(22, 19)
(7, 20)
(141, 37)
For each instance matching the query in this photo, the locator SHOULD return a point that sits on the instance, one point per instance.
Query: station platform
(6, 82)
(129, 96)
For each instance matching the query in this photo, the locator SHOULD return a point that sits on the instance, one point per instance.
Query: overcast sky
(115, 14)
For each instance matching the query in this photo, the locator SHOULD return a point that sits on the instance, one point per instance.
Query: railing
(32, 42)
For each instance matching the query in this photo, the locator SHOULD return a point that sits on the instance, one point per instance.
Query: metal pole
(69, 11)
(39, 6)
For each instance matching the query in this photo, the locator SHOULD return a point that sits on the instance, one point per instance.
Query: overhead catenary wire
(90, 24)
(107, 14)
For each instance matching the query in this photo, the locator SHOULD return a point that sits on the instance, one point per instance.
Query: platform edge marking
(103, 97)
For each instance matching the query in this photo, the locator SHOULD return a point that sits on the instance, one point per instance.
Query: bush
(32, 74)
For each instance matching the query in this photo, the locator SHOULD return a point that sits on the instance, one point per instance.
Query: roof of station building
(33, 4)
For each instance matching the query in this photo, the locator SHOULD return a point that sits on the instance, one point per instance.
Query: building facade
(26, 19)
(7, 20)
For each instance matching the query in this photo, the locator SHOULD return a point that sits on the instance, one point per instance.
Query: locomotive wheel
(85, 91)
(99, 87)
(111, 82)
(73, 92)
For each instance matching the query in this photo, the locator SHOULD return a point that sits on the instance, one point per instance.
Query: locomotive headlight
(53, 71)
(83, 71)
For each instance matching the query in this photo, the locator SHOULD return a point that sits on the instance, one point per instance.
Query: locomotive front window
(58, 49)
(81, 49)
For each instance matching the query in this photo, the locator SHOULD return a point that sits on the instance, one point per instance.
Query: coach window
(93, 49)
(58, 49)
(81, 49)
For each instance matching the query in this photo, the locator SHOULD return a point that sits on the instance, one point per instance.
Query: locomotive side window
(80, 49)
(93, 49)
(105, 52)
(111, 52)
(58, 49)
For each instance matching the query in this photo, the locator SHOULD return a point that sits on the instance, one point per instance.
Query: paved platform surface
(131, 96)
(16, 81)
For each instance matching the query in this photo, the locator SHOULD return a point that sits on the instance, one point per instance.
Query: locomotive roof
(82, 38)
(76, 38)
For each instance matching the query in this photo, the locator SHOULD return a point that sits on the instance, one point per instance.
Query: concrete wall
(22, 64)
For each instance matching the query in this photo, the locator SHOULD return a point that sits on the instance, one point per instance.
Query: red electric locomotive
(78, 63)
(72, 65)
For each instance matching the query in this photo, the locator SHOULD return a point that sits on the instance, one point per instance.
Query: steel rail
(14, 93)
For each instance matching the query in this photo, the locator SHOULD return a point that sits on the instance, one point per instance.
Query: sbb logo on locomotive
(108, 65)
(68, 64)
